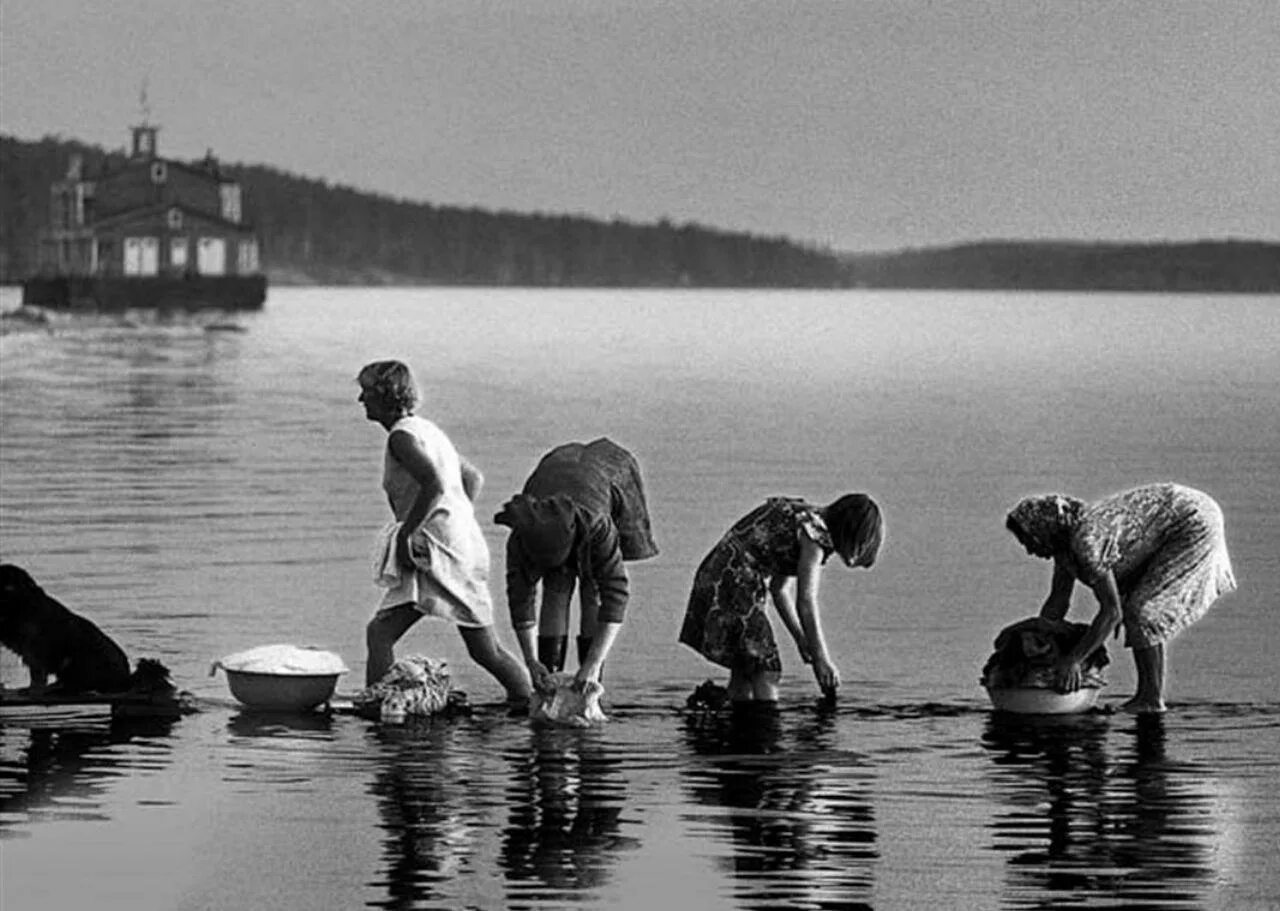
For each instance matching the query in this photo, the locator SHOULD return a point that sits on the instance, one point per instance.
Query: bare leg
(485, 650)
(381, 635)
(1151, 674)
(761, 686)
(766, 686)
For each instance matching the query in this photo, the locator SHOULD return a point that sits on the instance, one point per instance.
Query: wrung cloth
(565, 706)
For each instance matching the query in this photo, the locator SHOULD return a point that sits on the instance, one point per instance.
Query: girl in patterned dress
(781, 539)
(1155, 558)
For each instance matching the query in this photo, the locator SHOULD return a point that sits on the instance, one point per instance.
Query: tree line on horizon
(311, 231)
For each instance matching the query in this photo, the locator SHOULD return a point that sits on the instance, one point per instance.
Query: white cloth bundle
(564, 705)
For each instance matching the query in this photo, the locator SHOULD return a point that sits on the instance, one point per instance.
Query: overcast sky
(858, 125)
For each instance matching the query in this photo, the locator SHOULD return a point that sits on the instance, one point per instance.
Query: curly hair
(391, 382)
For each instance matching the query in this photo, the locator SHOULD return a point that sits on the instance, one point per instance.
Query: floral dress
(1168, 550)
(726, 621)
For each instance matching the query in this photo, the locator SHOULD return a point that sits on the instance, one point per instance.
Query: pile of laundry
(415, 687)
(1026, 652)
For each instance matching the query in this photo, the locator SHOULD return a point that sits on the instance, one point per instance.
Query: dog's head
(18, 590)
(20, 599)
(14, 580)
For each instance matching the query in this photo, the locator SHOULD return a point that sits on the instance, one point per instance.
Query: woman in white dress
(432, 559)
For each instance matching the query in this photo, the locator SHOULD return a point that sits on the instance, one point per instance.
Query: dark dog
(53, 641)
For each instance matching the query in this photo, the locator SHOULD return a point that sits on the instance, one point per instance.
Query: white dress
(451, 580)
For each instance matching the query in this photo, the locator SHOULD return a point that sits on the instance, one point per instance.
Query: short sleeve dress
(727, 621)
(451, 557)
(1167, 547)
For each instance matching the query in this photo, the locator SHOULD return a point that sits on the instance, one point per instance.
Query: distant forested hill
(1206, 266)
(316, 232)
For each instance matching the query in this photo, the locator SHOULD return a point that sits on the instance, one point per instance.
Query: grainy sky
(858, 125)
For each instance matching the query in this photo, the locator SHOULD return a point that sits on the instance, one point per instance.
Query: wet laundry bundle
(1026, 652)
(567, 706)
(414, 687)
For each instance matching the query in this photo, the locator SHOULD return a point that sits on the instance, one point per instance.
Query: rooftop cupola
(144, 141)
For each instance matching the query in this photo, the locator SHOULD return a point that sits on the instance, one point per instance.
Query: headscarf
(1047, 520)
(543, 526)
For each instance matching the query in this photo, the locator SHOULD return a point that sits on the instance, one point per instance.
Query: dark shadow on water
(1097, 809)
(555, 829)
(63, 771)
(563, 835)
(422, 794)
(783, 814)
(246, 723)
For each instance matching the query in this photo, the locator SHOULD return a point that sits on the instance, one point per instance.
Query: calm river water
(199, 492)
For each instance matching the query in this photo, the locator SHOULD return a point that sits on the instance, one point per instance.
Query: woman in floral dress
(1155, 558)
(784, 538)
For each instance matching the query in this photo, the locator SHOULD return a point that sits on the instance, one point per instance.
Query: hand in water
(1067, 675)
(541, 678)
(826, 674)
(584, 678)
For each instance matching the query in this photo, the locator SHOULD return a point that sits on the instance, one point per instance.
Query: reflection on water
(197, 493)
(63, 772)
(795, 814)
(1135, 827)
(563, 833)
(421, 799)
(545, 807)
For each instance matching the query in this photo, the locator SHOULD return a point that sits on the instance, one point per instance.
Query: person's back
(400, 485)
(604, 479)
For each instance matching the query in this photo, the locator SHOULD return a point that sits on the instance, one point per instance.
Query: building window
(178, 253)
(211, 256)
(230, 193)
(159, 172)
(141, 256)
(175, 219)
(247, 260)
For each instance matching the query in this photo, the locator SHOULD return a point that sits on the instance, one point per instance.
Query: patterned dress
(727, 621)
(1167, 547)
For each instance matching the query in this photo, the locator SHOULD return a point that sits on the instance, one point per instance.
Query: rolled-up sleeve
(604, 562)
(522, 587)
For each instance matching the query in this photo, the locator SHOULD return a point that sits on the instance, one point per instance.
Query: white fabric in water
(564, 705)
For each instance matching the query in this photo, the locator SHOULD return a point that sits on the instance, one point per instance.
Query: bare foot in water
(1136, 706)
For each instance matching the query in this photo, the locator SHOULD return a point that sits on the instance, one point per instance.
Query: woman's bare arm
(409, 452)
(808, 571)
(779, 590)
(1059, 600)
